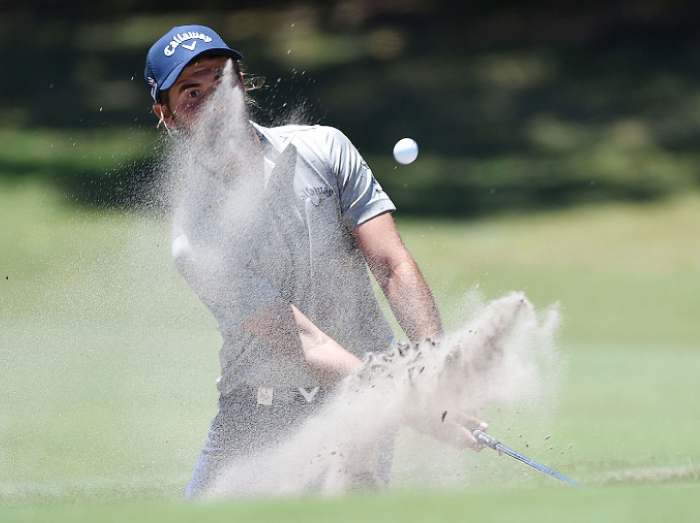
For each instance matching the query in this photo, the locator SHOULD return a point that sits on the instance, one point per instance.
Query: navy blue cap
(168, 56)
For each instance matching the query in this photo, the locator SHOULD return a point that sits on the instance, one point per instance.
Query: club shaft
(493, 443)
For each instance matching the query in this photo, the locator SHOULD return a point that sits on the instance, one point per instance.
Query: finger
(471, 442)
(454, 434)
(469, 422)
(463, 438)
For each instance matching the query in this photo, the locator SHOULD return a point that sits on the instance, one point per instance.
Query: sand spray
(504, 353)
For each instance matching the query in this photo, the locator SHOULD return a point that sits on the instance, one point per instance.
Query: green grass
(621, 272)
(641, 504)
(108, 362)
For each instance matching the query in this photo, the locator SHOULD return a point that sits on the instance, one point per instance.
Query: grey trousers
(243, 427)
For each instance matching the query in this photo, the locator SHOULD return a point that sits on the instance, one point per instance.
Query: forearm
(411, 300)
(285, 328)
(399, 277)
(325, 358)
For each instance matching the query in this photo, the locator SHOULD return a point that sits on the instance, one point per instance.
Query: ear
(162, 111)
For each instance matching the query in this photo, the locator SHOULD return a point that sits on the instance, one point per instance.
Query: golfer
(291, 294)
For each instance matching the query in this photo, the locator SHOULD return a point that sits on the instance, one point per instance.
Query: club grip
(485, 439)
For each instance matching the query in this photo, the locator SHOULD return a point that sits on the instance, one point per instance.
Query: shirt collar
(268, 139)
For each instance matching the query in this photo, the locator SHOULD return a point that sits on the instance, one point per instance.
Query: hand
(468, 424)
(453, 428)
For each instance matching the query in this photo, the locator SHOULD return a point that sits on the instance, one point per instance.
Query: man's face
(191, 89)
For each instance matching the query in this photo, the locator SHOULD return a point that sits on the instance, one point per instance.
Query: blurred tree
(513, 104)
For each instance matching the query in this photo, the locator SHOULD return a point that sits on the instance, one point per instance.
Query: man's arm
(287, 329)
(414, 307)
(398, 275)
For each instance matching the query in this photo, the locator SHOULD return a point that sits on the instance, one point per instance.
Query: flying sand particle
(496, 358)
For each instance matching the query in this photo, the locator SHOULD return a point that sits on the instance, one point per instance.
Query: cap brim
(175, 73)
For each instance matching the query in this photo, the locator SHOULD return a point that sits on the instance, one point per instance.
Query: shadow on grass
(131, 186)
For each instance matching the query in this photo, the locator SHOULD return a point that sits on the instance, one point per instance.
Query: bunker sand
(497, 357)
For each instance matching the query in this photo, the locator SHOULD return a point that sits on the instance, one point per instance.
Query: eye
(193, 93)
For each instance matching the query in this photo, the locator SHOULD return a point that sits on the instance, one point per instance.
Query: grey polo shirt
(288, 236)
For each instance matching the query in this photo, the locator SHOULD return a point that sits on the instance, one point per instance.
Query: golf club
(493, 443)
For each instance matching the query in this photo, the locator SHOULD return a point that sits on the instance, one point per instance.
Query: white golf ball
(406, 151)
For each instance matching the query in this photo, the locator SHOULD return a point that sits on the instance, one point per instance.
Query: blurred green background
(515, 105)
(559, 157)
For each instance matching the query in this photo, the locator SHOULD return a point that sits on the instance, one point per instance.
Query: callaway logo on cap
(168, 56)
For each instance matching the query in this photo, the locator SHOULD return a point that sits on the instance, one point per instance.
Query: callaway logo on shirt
(316, 194)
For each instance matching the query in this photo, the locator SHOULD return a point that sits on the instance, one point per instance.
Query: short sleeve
(361, 196)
